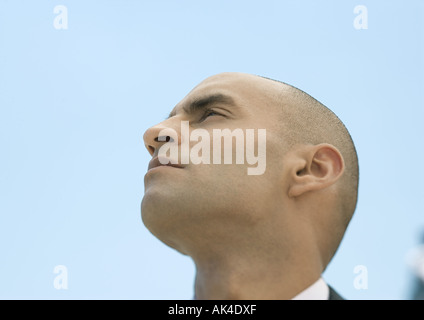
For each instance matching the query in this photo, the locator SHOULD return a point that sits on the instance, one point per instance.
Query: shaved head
(305, 120)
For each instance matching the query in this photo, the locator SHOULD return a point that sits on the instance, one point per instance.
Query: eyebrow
(204, 102)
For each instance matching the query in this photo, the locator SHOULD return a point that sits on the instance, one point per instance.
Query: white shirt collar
(317, 291)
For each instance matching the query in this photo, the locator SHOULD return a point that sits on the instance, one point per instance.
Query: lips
(155, 162)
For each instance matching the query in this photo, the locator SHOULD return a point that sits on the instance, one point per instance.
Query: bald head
(304, 120)
(301, 119)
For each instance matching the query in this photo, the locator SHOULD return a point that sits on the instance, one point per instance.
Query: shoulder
(334, 295)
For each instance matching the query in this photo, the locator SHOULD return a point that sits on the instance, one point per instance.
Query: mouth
(157, 162)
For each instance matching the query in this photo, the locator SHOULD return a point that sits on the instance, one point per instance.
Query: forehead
(251, 92)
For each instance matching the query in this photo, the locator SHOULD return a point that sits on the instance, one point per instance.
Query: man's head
(297, 210)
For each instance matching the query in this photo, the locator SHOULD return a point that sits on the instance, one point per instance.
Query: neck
(240, 278)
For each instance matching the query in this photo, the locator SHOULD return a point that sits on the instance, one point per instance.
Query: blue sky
(74, 105)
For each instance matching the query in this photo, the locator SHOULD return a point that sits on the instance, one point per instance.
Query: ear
(315, 168)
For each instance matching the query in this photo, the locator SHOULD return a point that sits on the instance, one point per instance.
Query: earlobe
(316, 168)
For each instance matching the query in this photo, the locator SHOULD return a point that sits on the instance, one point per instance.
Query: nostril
(163, 139)
(151, 150)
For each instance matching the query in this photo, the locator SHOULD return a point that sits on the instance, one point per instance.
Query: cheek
(231, 186)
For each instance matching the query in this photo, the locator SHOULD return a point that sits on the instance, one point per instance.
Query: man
(254, 236)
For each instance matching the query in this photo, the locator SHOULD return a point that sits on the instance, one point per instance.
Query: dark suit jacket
(334, 295)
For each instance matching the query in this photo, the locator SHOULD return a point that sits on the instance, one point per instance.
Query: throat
(250, 281)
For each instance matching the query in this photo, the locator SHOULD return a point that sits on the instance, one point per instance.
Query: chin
(158, 210)
(162, 220)
(152, 208)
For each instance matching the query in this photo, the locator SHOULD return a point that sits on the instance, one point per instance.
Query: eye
(209, 113)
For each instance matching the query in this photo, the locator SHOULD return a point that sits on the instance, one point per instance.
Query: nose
(157, 136)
